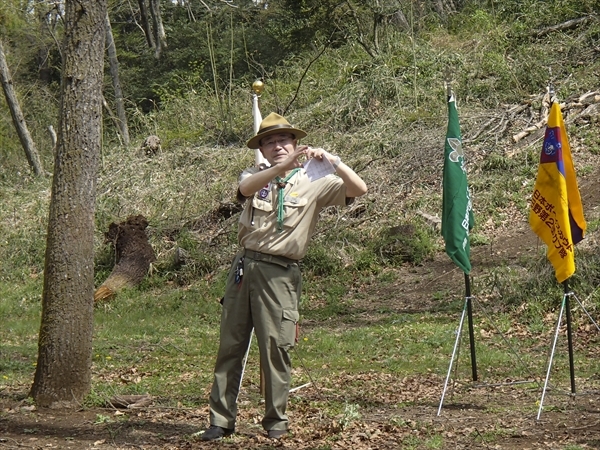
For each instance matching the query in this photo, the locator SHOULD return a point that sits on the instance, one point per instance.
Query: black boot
(214, 433)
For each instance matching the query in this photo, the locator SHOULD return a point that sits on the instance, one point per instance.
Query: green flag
(457, 211)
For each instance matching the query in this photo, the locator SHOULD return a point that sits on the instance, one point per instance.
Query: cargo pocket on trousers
(287, 332)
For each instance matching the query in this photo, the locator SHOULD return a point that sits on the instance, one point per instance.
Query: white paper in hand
(318, 168)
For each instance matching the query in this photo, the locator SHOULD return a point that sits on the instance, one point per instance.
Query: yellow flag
(556, 213)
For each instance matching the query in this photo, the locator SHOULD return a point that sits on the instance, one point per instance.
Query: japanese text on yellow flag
(556, 213)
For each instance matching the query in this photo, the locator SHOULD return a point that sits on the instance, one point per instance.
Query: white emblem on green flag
(457, 211)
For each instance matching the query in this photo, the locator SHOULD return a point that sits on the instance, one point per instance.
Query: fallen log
(133, 252)
(568, 25)
(527, 131)
(131, 401)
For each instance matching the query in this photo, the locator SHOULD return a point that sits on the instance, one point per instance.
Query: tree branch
(568, 25)
(312, 61)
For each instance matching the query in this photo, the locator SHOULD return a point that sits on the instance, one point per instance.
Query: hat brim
(254, 143)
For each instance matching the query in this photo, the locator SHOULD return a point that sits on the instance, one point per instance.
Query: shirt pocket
(256, 215)
(294, 208)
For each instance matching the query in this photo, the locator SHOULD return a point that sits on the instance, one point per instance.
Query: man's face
(277, 147)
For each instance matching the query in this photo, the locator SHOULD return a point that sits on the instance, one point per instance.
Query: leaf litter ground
(395, 413)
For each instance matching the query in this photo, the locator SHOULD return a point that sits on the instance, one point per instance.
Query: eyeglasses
(272, 141)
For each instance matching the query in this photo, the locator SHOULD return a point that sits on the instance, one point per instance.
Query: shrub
(410, 242)
(320, 261)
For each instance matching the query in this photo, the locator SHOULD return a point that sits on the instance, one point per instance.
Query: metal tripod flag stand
(565, 306)
(467, 309)
(556, 216)
(566, 309)
(457, 221)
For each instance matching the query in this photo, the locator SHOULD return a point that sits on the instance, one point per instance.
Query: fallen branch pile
(584, 107)
(531, 116)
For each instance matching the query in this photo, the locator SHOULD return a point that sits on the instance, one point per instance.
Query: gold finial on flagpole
(258, 86)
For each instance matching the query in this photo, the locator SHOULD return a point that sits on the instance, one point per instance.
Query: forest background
(366, 79)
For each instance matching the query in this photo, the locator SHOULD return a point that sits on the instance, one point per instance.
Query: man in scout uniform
(263, 289)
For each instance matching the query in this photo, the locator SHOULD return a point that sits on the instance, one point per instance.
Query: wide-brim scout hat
(274, 124)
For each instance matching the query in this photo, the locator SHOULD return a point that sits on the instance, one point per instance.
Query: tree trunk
(63, 372)
(444, 7)
(17, 116)
(160, 36)
(133, 256)
(44, 71)
(146, 23)
(114, 73)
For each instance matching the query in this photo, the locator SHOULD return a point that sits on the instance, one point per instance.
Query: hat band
(274, 127)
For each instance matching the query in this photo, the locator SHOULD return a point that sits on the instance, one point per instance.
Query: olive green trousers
(266, 300)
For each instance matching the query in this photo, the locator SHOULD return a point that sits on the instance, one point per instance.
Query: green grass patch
(164, 343)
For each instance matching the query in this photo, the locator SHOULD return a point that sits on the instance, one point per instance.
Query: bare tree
(160, 37)
(444, 7)
(45, 19)
(114, 73)
(63, 372)
(146, 23)
(17, 116)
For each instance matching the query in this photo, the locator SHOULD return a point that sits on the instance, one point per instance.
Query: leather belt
(280, 260)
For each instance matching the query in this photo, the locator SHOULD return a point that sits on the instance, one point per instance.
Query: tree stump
(134, 254)
(151, 146)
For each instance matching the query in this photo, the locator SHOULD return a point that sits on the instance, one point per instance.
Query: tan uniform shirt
(302, 202)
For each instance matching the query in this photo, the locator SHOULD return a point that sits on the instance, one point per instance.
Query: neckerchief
(280, 197)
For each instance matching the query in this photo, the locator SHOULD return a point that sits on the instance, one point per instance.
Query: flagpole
(257, 87)
(471, 333)
(569, 334)
(457, 211)
(556, 194)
